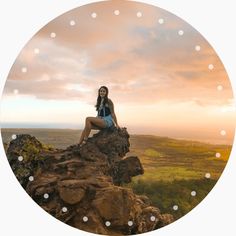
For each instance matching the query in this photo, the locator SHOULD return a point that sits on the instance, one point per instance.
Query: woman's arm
(111, 106)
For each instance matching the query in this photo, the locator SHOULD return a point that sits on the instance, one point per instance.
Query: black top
(105, 111)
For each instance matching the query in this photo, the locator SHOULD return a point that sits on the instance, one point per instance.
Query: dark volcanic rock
(81, 185)
(127, 168)
(5, 146)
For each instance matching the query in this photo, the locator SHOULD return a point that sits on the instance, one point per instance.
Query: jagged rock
(112, 142)
(145, 223)
(5, 146)
(145, 199)
(127, 168)
(85, 182)
(165, 219)
(72, 191)
(24, 145)
(115, 204)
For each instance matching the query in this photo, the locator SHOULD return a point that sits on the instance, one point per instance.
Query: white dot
(117, 12)
(31, 178)
(108, 223)
(139, 14)
(219, 87)
(46, 196)
(94, 15)
(208, 175)
(223, 132)
(53, 35)
(181, 32)
(210, 67)
(36, 51)
(161, 21)
(20, 158)
(130, 223)
(218, 155)
(197, 48)
(14, 136)
(152, 218)
(175, 207)
(64, 209)
(85, 218)
(193, 193)
(15, 91)
(23, 69)
(72, 22)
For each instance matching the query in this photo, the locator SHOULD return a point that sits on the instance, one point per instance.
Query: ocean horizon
(206, 138)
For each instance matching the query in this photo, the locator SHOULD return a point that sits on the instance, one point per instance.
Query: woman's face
(102, 92)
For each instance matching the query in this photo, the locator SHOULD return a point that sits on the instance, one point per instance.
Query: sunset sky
(164, 77)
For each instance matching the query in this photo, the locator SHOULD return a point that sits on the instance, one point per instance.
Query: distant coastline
(7, 128)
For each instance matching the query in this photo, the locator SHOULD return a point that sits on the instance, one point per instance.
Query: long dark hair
(99, 99)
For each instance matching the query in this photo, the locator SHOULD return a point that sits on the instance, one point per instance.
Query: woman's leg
(87, 128)
(91, 123)
(82, 136)
(83, 132)
(97, 122)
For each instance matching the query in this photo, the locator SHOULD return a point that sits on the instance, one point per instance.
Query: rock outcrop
(81, 186)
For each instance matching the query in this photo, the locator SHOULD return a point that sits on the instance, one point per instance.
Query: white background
(20, 20)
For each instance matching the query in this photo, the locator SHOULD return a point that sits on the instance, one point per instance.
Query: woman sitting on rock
(106, 115)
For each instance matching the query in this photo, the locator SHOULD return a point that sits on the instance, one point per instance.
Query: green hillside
(170, 159)
(173, 169)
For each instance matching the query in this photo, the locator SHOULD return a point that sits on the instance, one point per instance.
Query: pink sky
(160, 84)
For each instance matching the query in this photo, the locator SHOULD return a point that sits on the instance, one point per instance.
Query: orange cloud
(139, 59)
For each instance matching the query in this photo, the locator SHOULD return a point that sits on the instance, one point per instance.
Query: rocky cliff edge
(81, 186)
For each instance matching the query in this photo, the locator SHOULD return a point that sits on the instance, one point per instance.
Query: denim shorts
(108, 120)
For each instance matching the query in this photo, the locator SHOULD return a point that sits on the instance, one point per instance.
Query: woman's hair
(99, 99)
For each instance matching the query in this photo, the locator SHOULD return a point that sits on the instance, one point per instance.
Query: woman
(105, 118)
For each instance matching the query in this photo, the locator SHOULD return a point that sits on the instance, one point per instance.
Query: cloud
(140, 60)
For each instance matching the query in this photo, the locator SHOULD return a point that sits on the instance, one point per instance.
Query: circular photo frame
(124, 118)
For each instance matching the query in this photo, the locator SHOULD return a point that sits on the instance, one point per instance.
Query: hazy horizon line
(66, 126)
